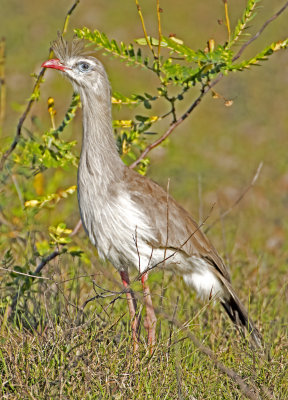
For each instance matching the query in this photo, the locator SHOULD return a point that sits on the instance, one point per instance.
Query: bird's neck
(99, 155)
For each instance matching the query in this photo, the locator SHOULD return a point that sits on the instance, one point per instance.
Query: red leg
(132, 305)
(150, 318)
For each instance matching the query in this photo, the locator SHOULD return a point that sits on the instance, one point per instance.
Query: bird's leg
(150, 318)
(132, 305)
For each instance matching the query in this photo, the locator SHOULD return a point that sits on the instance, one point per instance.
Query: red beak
(54, 63)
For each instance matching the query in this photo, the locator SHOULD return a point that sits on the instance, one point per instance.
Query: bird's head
(82, 70)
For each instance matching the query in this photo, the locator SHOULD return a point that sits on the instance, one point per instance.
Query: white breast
(118, 229)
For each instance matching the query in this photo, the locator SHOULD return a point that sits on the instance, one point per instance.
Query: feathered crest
(63, 50)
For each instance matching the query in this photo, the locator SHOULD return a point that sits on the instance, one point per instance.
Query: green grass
(50, 350)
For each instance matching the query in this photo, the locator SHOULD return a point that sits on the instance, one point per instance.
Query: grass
(52, 350)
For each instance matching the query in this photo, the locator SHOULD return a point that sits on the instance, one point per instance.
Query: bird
(133, 222)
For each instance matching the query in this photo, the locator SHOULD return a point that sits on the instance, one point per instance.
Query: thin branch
(68, 15)
(237, 201)
(227, 19)
(2, 82)
(22, 273)
(271, 19)
(144, 28)
(32, 98)
(159, 10)
(174, 125)
(46, 260)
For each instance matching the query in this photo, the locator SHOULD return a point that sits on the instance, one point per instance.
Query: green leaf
(153, 41)
(247, 17)
(126, 53)
(262, 56)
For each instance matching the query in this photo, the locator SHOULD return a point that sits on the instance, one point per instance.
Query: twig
(45, 261)
(227, 19)
(271, 19)
(22, 273)
(68, 15)
(159, 10)
(32, 98)
(144, 28)
(2, 82)
(237, 201)
(195, 103)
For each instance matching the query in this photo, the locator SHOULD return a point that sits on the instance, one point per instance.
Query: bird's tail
(239, 316)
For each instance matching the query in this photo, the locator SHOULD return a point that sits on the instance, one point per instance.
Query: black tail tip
(239, 316)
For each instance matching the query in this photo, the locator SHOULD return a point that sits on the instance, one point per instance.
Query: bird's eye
(83, 66)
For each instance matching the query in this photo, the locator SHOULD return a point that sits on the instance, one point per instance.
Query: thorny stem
(32, 98)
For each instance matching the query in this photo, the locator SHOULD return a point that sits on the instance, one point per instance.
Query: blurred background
(214, 154)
